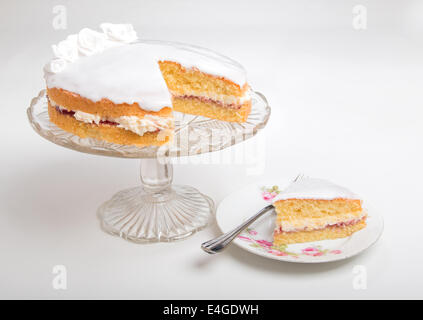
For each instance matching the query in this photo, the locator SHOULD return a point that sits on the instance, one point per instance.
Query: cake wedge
(314, 209)
(199, 93)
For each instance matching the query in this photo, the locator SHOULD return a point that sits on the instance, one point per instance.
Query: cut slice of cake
(107, 86)
(315, 209)
(199, 93)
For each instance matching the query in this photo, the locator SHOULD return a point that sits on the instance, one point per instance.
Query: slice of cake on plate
(108, 86)
(315, 209)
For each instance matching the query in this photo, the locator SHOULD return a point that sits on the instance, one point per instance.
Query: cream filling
(221, 98)
(317, 223)
(134, 124)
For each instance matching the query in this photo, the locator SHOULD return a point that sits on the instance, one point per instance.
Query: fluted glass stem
(156, 177)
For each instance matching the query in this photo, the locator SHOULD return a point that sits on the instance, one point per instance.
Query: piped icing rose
(67, 49)
(89, 42)
(55, 65)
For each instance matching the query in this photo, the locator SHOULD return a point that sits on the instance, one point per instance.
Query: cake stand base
(156, 211)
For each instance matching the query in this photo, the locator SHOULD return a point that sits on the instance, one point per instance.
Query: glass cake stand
(157, 210)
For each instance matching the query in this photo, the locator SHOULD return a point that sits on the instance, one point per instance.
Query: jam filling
(72, 113)
(204, 99)
(337, 225)
(110, 123)
(65, 112)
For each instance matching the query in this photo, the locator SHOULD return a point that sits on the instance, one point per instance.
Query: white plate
(258, 238)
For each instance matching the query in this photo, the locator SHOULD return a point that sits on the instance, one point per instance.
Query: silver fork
(218, 244)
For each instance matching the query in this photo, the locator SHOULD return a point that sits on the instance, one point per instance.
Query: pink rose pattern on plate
(269, 193)
(267, 246)
(249, 236)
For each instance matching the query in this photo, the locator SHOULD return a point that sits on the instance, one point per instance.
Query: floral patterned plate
(257, 239)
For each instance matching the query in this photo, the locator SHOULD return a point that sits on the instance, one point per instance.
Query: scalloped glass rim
(193, 134)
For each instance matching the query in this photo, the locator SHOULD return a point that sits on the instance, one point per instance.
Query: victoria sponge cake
(109, 86)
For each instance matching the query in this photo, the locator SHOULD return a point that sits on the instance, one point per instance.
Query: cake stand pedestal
(157, 210)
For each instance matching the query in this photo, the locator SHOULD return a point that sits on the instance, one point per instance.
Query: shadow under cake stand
(157, 210)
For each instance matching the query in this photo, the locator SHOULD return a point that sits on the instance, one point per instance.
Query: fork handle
(218, 244)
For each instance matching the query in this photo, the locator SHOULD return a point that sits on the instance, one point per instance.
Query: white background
(346, 106)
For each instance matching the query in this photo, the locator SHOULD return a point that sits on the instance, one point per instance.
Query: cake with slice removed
(315, 209)
(108, 86)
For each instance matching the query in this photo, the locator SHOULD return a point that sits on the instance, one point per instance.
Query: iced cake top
(114, 65)
(312, 188)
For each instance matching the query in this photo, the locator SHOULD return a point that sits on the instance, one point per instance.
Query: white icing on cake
(311, 188)
(125, 74)
(109, 65)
